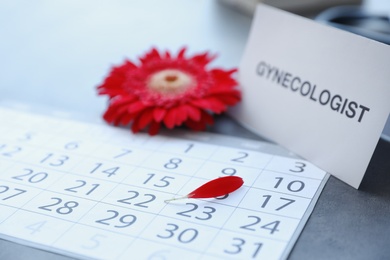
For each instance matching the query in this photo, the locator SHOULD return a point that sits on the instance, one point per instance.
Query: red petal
(203, 59)
(126, 119)
(217, 187)
(122, 100)
(154, 128)
(182, 114)
(136, 107)
(193, 112)
(223, 78)
(181, 53)
(134, 126)
(210, 103)
(230, 99)
(216, 105)
(195, 125)
(145, 118)
(171, 117)
(112, 85)
(167, 55)
(152, 55)
(110, 115)
(202, 123)
(159, 113)
(206, 118)
(222, 90)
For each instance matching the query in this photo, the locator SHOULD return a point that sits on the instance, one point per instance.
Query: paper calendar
(93, 191)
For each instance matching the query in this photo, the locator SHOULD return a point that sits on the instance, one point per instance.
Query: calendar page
(94, 191)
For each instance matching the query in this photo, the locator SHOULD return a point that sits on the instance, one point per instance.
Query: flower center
(170, 82)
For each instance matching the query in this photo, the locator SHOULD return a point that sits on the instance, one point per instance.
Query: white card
(319, 91)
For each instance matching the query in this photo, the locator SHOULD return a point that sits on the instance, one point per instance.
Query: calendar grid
(223, 226)
(93, 191)
(101, 201)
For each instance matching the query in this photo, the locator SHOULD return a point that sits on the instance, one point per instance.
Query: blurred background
(55, 53)
(311, 7)
(369, 18)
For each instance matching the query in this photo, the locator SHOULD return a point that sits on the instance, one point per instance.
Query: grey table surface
(54, 53)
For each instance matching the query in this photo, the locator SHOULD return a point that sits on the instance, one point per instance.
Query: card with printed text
(321, 92)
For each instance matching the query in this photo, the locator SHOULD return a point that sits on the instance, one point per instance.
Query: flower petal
(224, 78)
(192, 112)
(159, 113)
(202, 123)
(197, 126)
(182, 115)
(126, 119)
(167, 55)
(230, 99)
(110, 115)
(203, 59)
(134, 126)
(112, 85)
(122, 100)
(210, 103)
(222, 90)
(170, 118)
(145, 118)
(206, 118)
(152, 55)
(154, 128)
(136, 107)
(181, 53)
(175, 116)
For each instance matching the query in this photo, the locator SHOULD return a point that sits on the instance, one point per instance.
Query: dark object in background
(357, 20)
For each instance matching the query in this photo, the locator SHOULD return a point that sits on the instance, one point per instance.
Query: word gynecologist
(305, 88)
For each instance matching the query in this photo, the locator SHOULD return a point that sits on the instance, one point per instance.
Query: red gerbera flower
(168, 90)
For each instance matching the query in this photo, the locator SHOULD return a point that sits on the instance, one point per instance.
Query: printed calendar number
(101, 168)
(116, 220)
(54, 159)
(189, 147)
(241, 157)
(184, 236)
(229, 171)
(94, 242)
(60, 207)
(123, 153)
(31, 176)
(159, 255)
(140, 202)
(255, 223)
(238, 245)
(201, 213)
(298, 167)
(9, 150)
(222, 197)
(159, 183)
(293, 186)
(72, 145)
(284, 202)
(7, 192)
(83, 187)
(36, 227)
(173, 163)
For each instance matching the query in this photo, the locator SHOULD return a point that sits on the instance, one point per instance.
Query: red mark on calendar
(214, 188)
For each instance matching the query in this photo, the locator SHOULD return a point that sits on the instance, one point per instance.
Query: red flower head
(168, 90)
